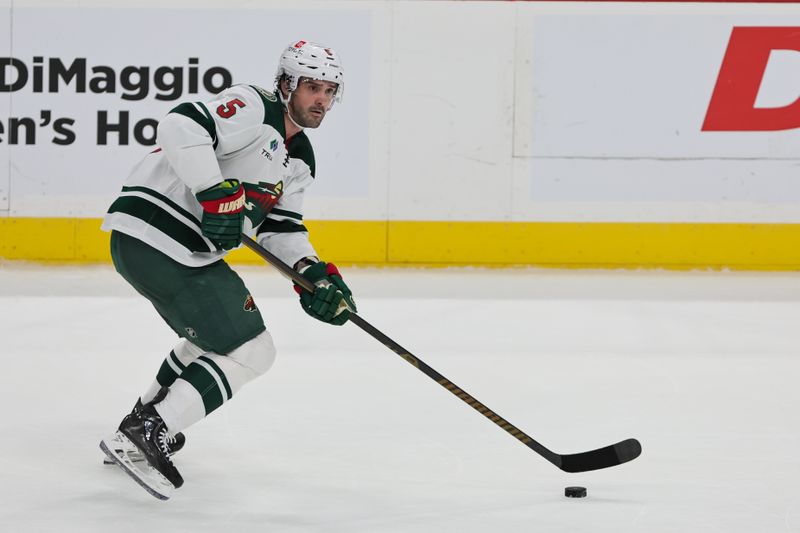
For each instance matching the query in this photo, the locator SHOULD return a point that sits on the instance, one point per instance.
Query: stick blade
(616, 454)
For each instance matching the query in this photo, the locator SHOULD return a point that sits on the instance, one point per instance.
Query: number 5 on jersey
(229, 109)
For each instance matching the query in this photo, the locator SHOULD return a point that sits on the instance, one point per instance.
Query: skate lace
(164, 441)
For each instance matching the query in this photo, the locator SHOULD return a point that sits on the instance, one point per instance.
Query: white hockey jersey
(239, 135)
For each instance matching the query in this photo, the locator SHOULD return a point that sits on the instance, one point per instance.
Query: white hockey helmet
(311, 60)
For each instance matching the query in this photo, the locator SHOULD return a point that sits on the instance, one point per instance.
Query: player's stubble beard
(307, 118)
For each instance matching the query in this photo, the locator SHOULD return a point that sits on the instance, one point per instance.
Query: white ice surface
(343, 436)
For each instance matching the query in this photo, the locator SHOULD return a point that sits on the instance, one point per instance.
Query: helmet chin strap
(285, 102)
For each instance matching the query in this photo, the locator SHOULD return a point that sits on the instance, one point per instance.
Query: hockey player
(237, 164)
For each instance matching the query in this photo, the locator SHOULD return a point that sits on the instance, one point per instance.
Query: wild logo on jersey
(261, 198)
(249, 304)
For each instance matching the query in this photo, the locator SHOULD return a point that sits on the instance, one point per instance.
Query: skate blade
(118, 449)
(134, 457)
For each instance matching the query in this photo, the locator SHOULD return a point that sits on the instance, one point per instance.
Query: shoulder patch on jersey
(299, 147)
(273, 110)
(265, 93)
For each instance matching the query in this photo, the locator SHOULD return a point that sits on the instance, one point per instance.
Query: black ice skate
(144, 433)
(176, 442)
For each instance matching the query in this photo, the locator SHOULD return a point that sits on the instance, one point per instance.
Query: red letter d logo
(732, 104)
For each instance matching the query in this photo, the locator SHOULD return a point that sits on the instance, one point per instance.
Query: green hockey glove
(332, 300)
(223, 213)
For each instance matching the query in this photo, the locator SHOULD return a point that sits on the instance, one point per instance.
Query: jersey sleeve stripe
(160, 219)
(201, 116)
(164, 199)
(285, 213)
(274, 226)
(205, 111)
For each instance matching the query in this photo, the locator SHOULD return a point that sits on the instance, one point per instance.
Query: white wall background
(617, 100)
(5, 103)
(78, 180)
(452, 111)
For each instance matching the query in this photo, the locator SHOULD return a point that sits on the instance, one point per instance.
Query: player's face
(311, 100)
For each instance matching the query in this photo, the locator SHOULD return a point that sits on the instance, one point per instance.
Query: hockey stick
(613, 455)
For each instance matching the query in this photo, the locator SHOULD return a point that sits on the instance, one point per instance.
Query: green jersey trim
(273, 226)
(273, 109)
(189, 110)
(165, 199)
(211, 121)
(284, 213)
(299, 147)
(162, 220)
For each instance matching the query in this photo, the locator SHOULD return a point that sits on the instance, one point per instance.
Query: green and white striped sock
(172, 367)
(204, 386)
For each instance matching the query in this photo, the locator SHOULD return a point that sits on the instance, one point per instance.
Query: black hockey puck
(575, 492)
